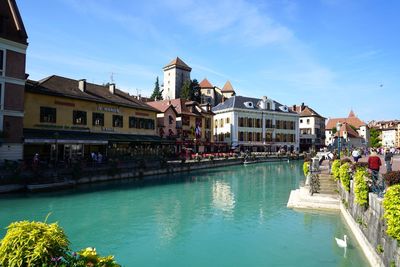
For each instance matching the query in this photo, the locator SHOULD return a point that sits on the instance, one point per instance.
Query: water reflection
(223, 198)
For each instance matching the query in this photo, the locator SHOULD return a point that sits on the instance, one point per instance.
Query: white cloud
(230, 21)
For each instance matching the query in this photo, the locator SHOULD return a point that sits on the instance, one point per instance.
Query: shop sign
(105, 129)
(141, 114)
(62, 127)
(62, 103)
(108, 109)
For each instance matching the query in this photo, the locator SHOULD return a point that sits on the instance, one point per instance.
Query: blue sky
(333, 55)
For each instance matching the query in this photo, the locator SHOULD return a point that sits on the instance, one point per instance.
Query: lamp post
(338, 126)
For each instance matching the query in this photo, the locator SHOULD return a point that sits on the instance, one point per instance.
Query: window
(118, 121)
(216, 123)
(133, 122)
(227, 120)
(79, 117)
(185, 120)
(170, 119)
(241, 136)
(241, 122)
(308, 121)
(250, 122)
(208, 91)
(221, 123)
(140, 123)
(1, 96)
(301, 121)
(98, 119)
(2, 62)
(48, 114)
(208, 123)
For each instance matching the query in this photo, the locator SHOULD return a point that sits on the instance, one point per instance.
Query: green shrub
(32, 244)
(391, 204)
(89, 257)
(306, 168)
(344, 175)
(41, 244)
(379, 249)
(361, 187)
(335, 169)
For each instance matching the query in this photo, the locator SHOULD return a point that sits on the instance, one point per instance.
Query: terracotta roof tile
(205, 84)
(356, 122)
(350, 131)
(306, 111)
(227, 87)
(178, 63)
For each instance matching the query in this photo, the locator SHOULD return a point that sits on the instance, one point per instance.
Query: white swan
(342, 243)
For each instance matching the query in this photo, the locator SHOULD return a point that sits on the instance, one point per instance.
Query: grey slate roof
(238, 102)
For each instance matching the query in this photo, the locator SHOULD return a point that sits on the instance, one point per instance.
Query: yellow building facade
(68, 120)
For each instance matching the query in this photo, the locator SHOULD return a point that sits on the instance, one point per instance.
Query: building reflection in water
(223, 197)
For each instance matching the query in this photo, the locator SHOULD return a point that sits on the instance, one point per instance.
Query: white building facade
(389, 138)
(256, 124)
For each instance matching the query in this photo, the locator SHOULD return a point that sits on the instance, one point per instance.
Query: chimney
(302, 107)
(294, 108)
(82, 85)
(111, 87)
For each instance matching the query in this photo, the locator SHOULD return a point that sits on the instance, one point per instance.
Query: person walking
(356, 155)
(388, 160)
(374, 164)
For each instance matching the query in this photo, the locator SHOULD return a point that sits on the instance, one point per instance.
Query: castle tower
(228, 91)
(175, 74)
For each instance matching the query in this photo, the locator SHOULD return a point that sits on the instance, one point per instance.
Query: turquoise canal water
(232, 216)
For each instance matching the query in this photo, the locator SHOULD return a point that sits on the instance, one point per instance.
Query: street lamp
(338, 126)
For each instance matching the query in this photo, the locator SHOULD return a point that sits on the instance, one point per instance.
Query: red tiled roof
(350, 131)
(352, 120)
(352, 115)
(161, 106)
(227, 87)
(305, 112)
(206, 84)
(178, 63)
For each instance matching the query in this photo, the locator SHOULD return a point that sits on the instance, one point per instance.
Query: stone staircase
(327, 184)
(327, 197)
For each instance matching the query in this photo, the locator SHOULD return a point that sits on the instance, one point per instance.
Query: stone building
(312, 128)
(175, 74)
(360, 127)
(256, 124)
(13, 45)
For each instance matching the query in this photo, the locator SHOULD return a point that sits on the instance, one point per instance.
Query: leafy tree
(195, 88)
(186, 92)
(191, 91)
(374, 139)
(157, 93)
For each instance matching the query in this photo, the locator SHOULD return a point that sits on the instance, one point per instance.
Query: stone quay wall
(371, 223)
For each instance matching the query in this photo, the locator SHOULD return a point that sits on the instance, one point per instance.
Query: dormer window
(248, 104)
(284, 108)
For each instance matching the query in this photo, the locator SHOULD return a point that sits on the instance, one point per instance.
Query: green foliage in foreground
(306, 168)
(32, 244)
(335, 169)
(391, 204)
(361, 186)
(41, 244)
(345, 176)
